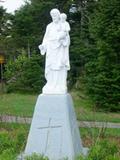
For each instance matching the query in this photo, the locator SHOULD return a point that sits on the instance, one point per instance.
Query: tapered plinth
(54, 131)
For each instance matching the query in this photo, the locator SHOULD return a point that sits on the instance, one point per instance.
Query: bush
(25, 74)
(36, 157)
(8, 154)
(12, 142)
(102, 150)
(6, 142)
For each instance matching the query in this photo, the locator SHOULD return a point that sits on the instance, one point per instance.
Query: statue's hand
(42, 49)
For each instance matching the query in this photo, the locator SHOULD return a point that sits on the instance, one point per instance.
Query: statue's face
(55, 17)
(63, 19)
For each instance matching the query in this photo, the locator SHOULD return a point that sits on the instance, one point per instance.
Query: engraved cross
(49, 127)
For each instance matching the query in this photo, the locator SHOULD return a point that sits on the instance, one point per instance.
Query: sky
(12, 5)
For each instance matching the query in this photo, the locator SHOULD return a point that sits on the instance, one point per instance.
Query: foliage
(102, 69)
(36, 157)
(4, 22)
(24, 74)
(102, 150)
(13, 138)
(80, 49)
(11, 142)
(8, 154)
(5, 31)
(29, 24)
(94, 50)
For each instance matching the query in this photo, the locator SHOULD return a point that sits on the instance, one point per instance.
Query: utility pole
(2, 60)
(1, 64)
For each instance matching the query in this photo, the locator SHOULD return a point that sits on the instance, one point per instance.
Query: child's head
(63, 17)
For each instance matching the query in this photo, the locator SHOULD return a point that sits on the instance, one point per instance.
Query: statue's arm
(68, 27)
(45, 36)
(43, 46)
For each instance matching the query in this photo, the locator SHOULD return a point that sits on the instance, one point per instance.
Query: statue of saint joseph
(55, 44)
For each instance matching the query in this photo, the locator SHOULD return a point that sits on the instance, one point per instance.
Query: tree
(6, 44)
(29, 24)
(81, 49)
(102, 71)
(24, 74)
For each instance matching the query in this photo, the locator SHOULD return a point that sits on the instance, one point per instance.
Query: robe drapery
(57, 56)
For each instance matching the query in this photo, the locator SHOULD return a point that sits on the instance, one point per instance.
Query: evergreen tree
(5, 31)
(29, 24)
(25, 74)
(80, 49)
(103, 69)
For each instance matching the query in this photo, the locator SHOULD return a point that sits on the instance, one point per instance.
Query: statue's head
(63, 17)
(55, 14)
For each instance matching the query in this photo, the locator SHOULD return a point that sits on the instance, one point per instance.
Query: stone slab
(54, 131)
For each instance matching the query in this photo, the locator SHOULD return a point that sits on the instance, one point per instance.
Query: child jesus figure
(65, 29)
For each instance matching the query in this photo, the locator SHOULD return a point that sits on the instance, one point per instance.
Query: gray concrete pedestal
(54, 131)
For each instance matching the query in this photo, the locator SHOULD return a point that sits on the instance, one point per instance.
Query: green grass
(23, 105)
(85, 132)
(13, 139)
(17, 104)
(14, 126)
(88, 135)
(103, 132)
(91, 135)
(86, 111)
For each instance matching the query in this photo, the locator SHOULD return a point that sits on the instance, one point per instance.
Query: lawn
(23, 105)
(91, 135)
(17, 104)
(86, 111)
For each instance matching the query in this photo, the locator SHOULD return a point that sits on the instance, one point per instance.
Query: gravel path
(86, 124)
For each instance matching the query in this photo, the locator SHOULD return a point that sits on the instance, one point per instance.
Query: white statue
(65, 27)
(55, 44)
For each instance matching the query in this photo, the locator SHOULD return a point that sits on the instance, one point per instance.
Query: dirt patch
(88, 141)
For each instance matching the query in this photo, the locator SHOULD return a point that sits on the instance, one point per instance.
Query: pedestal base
(54, 131)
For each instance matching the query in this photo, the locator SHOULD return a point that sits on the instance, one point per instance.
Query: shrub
(8, 154)
(6, 142)
(12, 142)
(102, 150)
(36, 157)
(25, 74)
